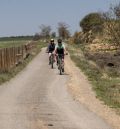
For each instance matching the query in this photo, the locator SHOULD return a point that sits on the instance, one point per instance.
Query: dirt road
(32, 100)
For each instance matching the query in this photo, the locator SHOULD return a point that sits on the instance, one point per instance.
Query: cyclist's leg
(53, 56)
(49, 57)
(57, 59)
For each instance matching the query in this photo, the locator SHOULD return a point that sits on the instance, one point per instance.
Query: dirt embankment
(81, 90)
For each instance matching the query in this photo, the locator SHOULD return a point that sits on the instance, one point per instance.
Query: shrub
(92, 21)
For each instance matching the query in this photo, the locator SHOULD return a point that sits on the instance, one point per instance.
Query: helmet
(52, 40)
(59, 40)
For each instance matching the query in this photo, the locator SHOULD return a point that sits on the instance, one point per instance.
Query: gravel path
(38, 98)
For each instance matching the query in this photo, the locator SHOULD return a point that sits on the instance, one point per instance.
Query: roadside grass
(6, 76)
(106, 86)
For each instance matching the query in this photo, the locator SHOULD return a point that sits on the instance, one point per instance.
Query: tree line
(12, 38)
(46, 32)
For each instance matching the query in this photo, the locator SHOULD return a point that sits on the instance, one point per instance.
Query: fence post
(9, 57)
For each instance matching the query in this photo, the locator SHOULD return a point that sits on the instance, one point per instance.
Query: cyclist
(51, 48)
(60, 50)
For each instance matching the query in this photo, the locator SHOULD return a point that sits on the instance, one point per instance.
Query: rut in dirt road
(37, 98)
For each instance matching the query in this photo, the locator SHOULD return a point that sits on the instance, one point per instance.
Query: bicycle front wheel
(60, 66)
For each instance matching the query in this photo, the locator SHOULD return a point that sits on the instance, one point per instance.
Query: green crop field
(6, 44)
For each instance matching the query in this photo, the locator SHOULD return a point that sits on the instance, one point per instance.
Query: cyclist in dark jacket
(51, 48)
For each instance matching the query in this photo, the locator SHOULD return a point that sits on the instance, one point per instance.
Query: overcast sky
(23, 17)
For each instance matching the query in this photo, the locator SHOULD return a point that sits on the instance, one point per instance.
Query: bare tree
(112, 24)
(116, 10)
(53, 34)
(63, 31)
(36, 36)
(45, 31)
